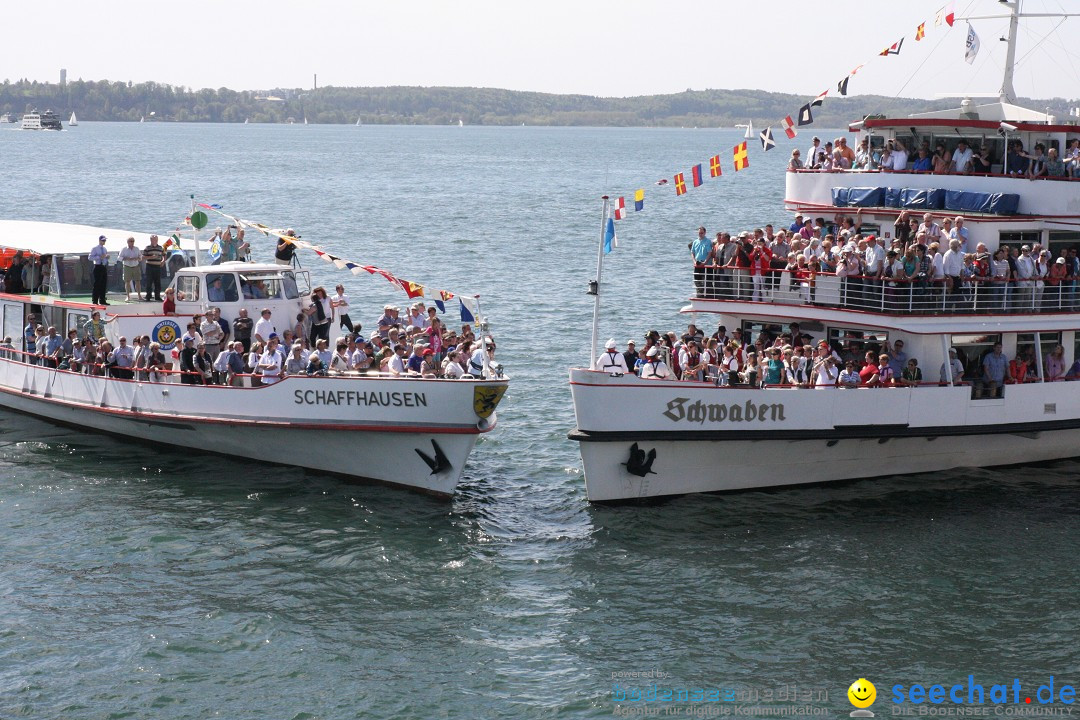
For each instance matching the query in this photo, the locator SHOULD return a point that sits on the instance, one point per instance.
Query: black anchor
(639, 463)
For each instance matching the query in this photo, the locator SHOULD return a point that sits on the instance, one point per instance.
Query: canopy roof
(46, 238)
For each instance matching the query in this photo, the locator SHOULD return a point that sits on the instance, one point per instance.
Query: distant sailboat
(358, 122)
(305, 121)
(142, 119)
(73, 122)
(749, 128)
(460, 122)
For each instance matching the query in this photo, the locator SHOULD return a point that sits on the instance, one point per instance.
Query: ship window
(864, 339)
(971, 349)
(261, 286)
(1048, 341)
(13, 321)
(289, 283)
(187, 287)
(77, 321)
(1018, 238)
(1063, 240)
(221, 287)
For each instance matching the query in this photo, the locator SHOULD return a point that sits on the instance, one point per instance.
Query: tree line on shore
(120, 101)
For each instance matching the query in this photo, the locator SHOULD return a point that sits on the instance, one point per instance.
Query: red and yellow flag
(741, 160)
(680, 184)
(920, 32)
(714, 166)
(412, 289)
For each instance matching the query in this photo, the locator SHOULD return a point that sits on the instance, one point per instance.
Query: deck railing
(916, 296)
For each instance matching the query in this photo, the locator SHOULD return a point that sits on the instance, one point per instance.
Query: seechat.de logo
(862, 695)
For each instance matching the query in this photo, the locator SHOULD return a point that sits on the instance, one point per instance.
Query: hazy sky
(629, 47)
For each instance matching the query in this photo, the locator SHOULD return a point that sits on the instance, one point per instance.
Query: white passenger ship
(643, 438)
(396, 430)
(41, 121)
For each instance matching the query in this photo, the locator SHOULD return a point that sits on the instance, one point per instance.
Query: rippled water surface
(143, 583)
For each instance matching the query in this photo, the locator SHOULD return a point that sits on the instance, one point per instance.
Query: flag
(841, 87)
(439, 304)
(819, 99)
(789, 127)
(215, 251)
(466, 313)
(939, 17)
(211, 206)
(414, 289)
(620, 208)
(950, 16)
(920, 32)
(857, 69)
(740, 157)
(680, 184)
(972, 45)
(611, 241)
(714, 166)
(662, 181)
(695, 174)
(893, 49)
(639, 200)
(767, 142)
(805, 116)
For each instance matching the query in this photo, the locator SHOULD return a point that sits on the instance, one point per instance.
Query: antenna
(1008, 92)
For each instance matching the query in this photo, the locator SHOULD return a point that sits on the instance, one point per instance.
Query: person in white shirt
(322, 349)
(360, 359)
(654, 368)
(264, 327)
(270, 363)
(957, 369)
(961, 158)
(611, 360)
(898, 156)
(1025, 273)
(340, 303)
(453, 369)
(396, 366)
(952, 263)
(131, 258)
(825, 370)
(930, 228)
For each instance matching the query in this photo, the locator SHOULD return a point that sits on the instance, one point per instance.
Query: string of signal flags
(789, 124)
(469, 305)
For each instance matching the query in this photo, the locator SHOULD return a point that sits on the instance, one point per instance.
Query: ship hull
(418, 434)
(707, 439)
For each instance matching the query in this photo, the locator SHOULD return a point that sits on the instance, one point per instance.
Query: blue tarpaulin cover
(915, 199)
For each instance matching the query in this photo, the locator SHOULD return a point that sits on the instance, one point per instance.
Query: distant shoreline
(155, 102)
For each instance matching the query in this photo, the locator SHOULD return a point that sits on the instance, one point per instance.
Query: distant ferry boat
(47, 120)
(6, 118)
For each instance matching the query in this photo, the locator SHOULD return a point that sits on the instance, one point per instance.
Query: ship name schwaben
(699, 412)
(356, 397)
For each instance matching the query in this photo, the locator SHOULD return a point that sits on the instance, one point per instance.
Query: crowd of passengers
(794, 359)
(896, 156)
(214, 351)
(934, 263)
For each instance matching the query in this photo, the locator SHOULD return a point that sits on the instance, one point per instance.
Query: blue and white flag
(972, 45)
(767, 142)
(466, 314)
(611, 240)
(215, 251)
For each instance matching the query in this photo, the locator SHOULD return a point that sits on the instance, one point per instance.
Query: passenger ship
(41, 121)
(405, 431)
(642, 438)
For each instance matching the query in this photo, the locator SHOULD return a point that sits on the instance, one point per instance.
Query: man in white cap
(611, 360)
(957, 369)
(654, 368)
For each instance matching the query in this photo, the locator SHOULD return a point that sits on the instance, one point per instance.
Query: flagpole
(594, 288)
(195, 233)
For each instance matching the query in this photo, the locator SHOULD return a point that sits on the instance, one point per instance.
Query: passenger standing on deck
(264, 327)
(99, 256)
(654, 368)
(340, 303)
(611, 360)
(130, 257)
(322, 315)
(154, 257)
(285, 249)
(702, 251)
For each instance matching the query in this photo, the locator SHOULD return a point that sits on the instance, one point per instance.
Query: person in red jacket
(760, 265)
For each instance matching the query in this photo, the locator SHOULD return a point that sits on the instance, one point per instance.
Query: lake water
(146, 584)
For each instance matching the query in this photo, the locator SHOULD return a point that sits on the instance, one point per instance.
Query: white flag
(972, 45)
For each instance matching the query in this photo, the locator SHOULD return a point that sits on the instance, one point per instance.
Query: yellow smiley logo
(862, 693)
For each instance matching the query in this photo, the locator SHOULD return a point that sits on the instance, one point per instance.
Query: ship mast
(1008, 92)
